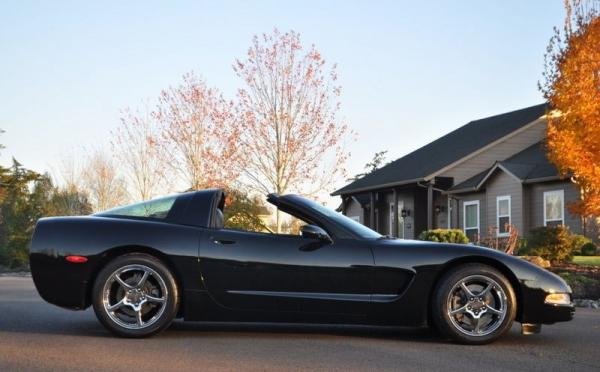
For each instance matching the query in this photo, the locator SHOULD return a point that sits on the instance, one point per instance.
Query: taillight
(76, 259)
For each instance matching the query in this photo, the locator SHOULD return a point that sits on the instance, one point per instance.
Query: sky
(410, 71)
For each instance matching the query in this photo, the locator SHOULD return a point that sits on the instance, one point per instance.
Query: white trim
(465, 205)
(486, 147)
(498, 216)
(560, 192)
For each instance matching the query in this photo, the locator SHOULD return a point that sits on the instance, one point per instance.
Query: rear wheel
(135, 295)
(474, 304)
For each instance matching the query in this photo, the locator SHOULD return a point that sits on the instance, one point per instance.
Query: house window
(503, 215)
(554, 208)
(471, 219)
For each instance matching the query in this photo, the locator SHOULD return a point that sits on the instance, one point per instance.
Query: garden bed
(583, 279)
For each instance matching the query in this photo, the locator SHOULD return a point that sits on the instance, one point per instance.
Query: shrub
(444, 236)
(506, 244)
(583, 286)
(537, 260)
(522, 247)
(589, 249)
(554, 243)
(578, 242)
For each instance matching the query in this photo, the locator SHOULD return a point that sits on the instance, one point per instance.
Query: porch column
(372, 212)
(430, 206)
(395, 217)
(449, 211)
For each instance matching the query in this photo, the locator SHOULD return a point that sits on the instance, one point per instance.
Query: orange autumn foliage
(572, 87)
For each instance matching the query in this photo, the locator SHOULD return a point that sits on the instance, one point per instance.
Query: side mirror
(315, 232)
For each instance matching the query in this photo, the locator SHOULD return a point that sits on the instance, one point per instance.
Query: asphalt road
(37, 336)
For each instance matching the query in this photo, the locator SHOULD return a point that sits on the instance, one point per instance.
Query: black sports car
(142, 265)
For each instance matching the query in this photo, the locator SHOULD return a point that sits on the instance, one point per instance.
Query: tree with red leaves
(199, 134)
(292, 138)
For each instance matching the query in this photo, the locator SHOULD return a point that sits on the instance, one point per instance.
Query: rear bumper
(58, 282)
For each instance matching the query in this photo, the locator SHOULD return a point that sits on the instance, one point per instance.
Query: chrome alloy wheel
(477, 305)
(134, 296)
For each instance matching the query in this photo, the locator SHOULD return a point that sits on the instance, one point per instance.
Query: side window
(554, 208)
(156, 208)
(289, 225)
(471, 219)
(263, 219)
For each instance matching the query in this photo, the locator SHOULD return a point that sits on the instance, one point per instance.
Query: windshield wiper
(382, 237)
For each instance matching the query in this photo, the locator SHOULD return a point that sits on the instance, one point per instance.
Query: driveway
(37, 336)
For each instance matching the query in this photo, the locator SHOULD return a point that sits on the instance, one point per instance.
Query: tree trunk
(278, 219)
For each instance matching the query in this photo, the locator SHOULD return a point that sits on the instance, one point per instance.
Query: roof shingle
(445, 150)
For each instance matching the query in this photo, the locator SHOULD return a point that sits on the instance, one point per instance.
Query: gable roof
(529, 165)
(445, 150)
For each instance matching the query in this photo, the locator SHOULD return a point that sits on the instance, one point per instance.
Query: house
(479, 178)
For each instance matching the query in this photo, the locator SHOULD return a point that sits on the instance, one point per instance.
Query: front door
(392, 219)
(261, 271)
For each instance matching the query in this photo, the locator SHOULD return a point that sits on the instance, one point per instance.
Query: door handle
(223, 241)
(310, 247)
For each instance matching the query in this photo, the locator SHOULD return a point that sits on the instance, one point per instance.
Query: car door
(261, 271)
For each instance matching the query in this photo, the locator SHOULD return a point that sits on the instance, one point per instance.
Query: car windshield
(155, 208)
(348, 223)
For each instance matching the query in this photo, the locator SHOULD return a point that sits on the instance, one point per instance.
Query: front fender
(535, 284)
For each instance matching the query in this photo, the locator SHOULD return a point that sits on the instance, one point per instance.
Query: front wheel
(474, 304)
(135, 295)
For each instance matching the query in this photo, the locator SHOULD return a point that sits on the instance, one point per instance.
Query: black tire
(454, 312)
(120, 289)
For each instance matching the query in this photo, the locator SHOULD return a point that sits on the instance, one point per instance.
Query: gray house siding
(536, 204)
(527, 205)
(500, 151)
(503, 184)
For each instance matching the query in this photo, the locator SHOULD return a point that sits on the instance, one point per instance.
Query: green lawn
(587, 260)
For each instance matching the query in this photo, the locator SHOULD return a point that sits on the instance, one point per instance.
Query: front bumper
(535, 310)
(557, 313)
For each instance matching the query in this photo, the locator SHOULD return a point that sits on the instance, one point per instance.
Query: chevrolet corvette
(143, 265)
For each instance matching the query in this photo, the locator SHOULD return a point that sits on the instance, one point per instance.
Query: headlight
(558, 299)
